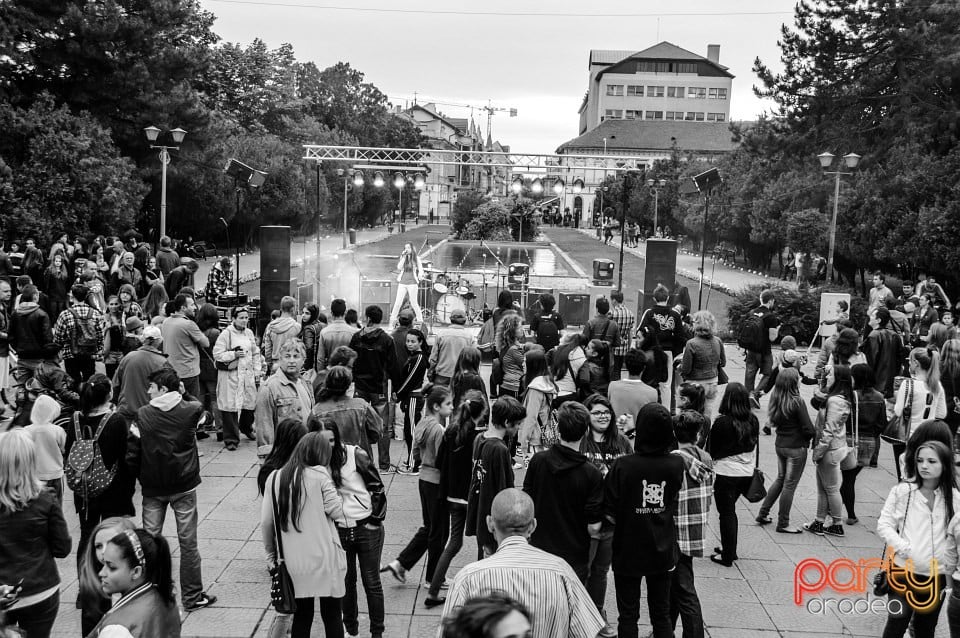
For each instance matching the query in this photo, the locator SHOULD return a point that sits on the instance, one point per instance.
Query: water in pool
(470, 255)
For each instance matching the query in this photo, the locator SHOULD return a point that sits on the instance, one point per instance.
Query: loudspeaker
(660, 268)
(602, 272)
(271, 292)
(376, 292)
(534, 309)
(275, 253)
(574, 307)
(518, 273)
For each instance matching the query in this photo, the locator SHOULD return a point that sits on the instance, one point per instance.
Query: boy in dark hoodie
(278, 332)
(375, 365)
(640, 499)
(567, 492)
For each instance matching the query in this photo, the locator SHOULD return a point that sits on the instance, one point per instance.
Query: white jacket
(923, 533)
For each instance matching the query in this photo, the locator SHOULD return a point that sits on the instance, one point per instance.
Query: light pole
(177, 134)
(399, 182)
(850, 160)
(357, 178)
(624, 198)
(558, 188)
(655, 185)
(226, 228)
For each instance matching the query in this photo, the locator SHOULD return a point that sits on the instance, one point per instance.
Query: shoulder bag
(282, 595)
(756, 492)
(881, 582)
(861, 447)
(228, 365)
(898, 429)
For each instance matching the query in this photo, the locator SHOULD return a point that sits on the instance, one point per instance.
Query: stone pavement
(753, 598)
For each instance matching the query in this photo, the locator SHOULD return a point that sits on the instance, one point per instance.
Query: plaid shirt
(624, 319)
(693, 502)
(66, 326)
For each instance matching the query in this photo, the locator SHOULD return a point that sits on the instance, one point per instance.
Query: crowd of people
(627, 431)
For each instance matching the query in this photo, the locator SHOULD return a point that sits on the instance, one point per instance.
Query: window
(634, 115)
(699, 117)
(674, 115)
(689, 116)
(654, 67)
(614, 89)
(675, 91)
(654, 115)
(654, 91)
(716, 117)
(634, 89)
(721, 94)
(697, 92)
(686, 67)
(613, 114)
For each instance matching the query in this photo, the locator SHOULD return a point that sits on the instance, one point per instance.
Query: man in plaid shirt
(79, 350)
(693, 506)
(624, 319)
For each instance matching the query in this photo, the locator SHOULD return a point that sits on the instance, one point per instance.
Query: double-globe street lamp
(177, 134)
(850, 160)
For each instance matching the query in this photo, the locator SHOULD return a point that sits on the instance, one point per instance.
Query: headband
(137, 548)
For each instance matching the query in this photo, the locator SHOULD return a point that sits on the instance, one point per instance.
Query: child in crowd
(50, 441)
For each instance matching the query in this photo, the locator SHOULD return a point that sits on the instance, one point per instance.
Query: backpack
(83, 339)
(751, 332)
(548, 333)
(84, 470)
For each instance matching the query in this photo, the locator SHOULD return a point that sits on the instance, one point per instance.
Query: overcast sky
(531, 56)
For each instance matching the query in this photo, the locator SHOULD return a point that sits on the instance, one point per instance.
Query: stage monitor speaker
(518, 273)
(275, 253)
(602, 272)
(534, 309)
(660, 268)
(271, 292)
(376, 292)
(574, 307)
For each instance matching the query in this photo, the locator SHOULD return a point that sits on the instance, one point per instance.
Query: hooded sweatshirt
(537, 400)
(31, 334)
(567, 493)
(164, 455)
(50, 439)
(278, 332)
(376, 360)
(167, 260)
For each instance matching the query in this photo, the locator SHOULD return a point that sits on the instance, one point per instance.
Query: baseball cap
(790, 356)
(152, 332)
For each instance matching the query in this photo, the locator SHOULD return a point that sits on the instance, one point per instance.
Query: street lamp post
(655, 185)
(357, 178)
(624, 198)
(177, 134)
(850, 160)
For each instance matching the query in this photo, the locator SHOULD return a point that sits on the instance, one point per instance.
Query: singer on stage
(408, 281)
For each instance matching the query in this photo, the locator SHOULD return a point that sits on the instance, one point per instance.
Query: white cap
(152, 332)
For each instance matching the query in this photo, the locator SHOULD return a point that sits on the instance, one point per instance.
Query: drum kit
(455, 292)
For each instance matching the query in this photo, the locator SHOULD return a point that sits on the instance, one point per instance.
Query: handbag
(229, 365)
(757, 491)
(282, 595)
(881, 582)
(897, 430)
(861, 447)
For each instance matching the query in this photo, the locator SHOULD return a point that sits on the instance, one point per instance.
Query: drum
(440, 282)
(446, 305)
(465, 289)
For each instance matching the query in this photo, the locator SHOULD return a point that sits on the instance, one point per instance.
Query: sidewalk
(754, 598)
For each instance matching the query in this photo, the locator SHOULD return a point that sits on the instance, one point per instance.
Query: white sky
(534, 63)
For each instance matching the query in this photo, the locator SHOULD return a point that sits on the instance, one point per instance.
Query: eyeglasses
(601, 414)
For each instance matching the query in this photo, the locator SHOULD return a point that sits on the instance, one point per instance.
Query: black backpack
(84, 335)
(751, 332)
(548, 332)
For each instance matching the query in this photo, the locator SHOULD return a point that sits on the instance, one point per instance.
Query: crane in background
(489, 108)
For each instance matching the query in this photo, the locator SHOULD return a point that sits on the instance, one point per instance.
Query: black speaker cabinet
(271, 292)
(603, 272)
(376, 292)
(574, 307)
(275, 253)
(534, 309)
(660, 268)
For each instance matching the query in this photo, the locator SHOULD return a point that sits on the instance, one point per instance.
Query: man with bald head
(544, 583)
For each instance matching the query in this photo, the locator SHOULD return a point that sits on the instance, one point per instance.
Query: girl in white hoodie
(537, 399)
(918, 524)
(50, 440)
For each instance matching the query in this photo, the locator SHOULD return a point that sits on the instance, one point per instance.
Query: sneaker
(814, 527)
(767, 430)
(851, 520)
(754, 402)
(430, 603)
(407, 470)
(251, 434)
(232, 447)
(763, 520)
(201, 435)
(390, 469)
(427, 584)
(518, 465)
(396, 569)
(834, 530)
(205, 600)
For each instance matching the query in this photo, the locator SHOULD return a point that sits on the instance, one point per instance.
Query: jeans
(80, 368)
(191, 386)
(329, 612)
(599, 566)
(432, 535)
(953, 611)
(684, 602)
(628, 604)
(208, 397)
(711, 394)
(36, 620)
(616, 368)
(403, 291)
(828, 486)
(924, 624)
(379, 403)
(790, 464)
(848, 490)
(184, 507)
(666, 387)
(757, 362)
(364, 545)
(236, 422)
(726, 491)
(458, 520)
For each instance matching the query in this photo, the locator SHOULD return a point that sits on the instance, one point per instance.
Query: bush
(799, 310)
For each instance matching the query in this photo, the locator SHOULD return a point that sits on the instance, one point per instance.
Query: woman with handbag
(237, 359)
(789, 416)
(867, 421)
(303, 548)
(538, 396)
(829, 450)
(703, 356)
(733, 443)
(208, 320)
(919, 398)
(917, 524)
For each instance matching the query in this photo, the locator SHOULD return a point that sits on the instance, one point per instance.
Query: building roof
(603, 56)
(662, 51)
(659, 135)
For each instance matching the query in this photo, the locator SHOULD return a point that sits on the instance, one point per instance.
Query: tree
(60, 172)
(463, 210)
